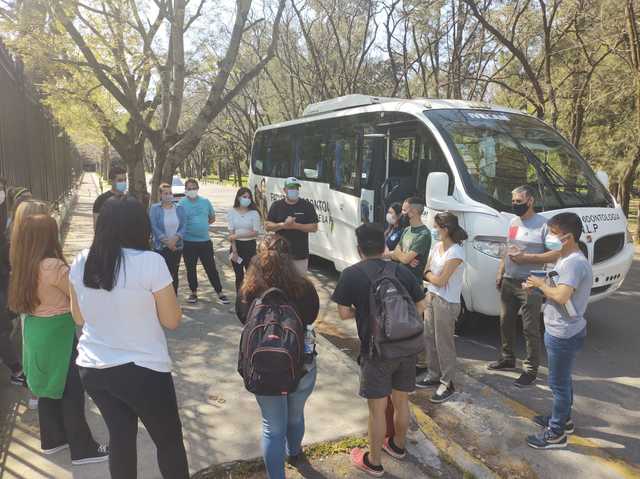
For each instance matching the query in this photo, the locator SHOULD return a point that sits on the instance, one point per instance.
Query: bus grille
(600, 289)
(607, 247)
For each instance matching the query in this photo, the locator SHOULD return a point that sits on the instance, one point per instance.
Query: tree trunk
(626, 183)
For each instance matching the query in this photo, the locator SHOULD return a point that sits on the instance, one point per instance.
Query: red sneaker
(386, 447)
(357, 459)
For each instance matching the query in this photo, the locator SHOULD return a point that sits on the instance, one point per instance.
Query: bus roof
(341, 106)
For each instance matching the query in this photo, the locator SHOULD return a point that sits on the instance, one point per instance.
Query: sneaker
(100, 456)
(427, 383)
(390, 448)
(223, 299)
(501, 364)
(19, 379)
(53, 450)
(525, 379)
(359, 459)
(443, 394)
(296, 459)
(32, 404)
(193, 298)
(547, 439)
(569, 427)
(420, 370)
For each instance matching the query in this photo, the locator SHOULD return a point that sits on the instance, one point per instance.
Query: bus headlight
(490, 245)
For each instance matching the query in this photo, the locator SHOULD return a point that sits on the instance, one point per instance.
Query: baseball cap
(291, 181)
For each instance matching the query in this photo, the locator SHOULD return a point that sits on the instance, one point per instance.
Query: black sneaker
(53, 450)
(525, 379)
(222, 299)
(569, 427)
(547, 439)
(501, 364)
(443, 394)
(296, 460)
(19, 379)
(101, 455)
(193, 298)
(420, 370)
(427, 383)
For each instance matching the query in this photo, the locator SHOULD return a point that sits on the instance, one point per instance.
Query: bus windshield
(497, 152)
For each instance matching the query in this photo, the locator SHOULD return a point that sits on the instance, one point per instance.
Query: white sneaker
(101, 456)
(33, 404)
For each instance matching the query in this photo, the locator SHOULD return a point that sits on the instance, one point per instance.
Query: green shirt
(418, 240)
(48, 344)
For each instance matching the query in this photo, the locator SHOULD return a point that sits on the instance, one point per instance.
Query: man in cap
(294, 218)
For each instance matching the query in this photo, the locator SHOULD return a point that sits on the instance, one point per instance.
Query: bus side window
(279, 150)
(342, 153)
(309, 159)
(432, 160)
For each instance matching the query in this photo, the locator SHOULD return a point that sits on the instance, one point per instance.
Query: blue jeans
(561, 354)
(283, 424)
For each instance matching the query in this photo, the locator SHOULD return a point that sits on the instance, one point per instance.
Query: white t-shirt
(171, 221)
(121, 326)
(452, 290)
(243, 223)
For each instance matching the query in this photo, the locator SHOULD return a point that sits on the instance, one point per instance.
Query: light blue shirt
(198, 213)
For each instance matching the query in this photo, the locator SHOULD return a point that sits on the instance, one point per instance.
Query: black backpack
(271, 353)
(395, 325)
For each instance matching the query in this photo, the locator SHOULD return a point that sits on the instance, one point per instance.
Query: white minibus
(356, 155)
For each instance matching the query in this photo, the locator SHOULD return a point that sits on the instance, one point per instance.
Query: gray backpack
(395, 325)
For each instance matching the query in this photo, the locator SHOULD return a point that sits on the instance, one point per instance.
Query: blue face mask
(121, 186)
(293, 194)
(552, 243)
(245, 202)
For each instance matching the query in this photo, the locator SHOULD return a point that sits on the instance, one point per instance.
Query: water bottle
(309, 343)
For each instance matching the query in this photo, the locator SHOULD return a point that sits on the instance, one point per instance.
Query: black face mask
(520, 208)
(403, 221)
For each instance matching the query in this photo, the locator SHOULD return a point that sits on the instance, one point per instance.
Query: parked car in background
(177, 187)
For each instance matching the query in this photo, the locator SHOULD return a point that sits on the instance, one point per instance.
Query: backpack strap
(371, 276)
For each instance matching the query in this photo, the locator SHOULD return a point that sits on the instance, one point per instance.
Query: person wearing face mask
(294, 218)
(526, 251)
(118, 179)
(168, 226)
(444, 274)
(415, 243)
(244, 224)
(395, 227)
(567, 291)
(197, 245)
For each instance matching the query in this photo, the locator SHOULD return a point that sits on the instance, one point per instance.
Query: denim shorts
(379, 376)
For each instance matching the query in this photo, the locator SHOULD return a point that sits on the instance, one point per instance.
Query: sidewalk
(221, 421)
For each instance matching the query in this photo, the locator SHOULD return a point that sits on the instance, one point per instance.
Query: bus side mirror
(437, 189)
(603, 178)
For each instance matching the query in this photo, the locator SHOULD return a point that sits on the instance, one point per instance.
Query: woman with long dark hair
(395, 226)
(122, 296)
(444, 273)
(39, 288)
(244, 226)
(282, 415)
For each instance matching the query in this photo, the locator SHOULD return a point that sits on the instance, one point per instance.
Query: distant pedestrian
(283, 424)
(197, 245)
(294, 218)
(244, 225)
(444, 273)
(118, 181)
(380, 376)
(526, 252)
(567, 289)
(395, 227)
(168, 227)
(15, 196)
(39, 288)
(122, 296)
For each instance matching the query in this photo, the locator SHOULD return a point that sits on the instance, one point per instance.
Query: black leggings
(246, 251)
(172, 258)
(128, 392)
(203, 250)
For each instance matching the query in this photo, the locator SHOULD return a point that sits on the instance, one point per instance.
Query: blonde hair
(26, 209)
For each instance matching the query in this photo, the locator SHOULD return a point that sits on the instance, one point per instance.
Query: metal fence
(34, 151)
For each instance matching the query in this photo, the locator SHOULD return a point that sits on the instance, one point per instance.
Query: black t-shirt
(307, 306)
(353, 290)
(304, 213)
(97, 205)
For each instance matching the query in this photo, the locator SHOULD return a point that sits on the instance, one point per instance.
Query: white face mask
(3, 196)
(391, 219)
(193, 194)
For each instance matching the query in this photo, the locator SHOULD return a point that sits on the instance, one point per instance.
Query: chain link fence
(34, 151)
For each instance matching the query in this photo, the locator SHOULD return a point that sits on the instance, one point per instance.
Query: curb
(450, 449)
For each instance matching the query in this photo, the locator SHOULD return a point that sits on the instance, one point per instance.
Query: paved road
(607, 377)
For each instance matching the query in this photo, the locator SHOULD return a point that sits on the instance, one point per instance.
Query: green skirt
(47, 352)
